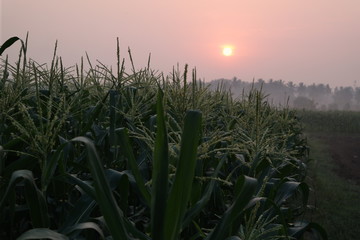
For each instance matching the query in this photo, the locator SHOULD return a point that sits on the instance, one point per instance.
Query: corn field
(110, 154)
(331, 121)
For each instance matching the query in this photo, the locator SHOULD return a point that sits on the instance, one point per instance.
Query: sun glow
(228, 51)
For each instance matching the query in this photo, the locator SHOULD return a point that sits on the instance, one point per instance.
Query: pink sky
(310, 41)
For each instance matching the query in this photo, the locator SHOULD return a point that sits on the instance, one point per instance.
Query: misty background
(305, 41)
(299, 96)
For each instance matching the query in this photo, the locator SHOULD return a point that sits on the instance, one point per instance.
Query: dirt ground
(345, 152)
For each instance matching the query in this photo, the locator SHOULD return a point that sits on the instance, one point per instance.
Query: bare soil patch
(345, 152)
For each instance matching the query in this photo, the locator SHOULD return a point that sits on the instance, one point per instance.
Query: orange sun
(228, 51)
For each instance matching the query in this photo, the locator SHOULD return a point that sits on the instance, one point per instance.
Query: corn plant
(102, 155)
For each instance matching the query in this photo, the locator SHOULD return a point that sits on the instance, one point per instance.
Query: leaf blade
(8, 43)
(181, 189)
(160, 176)
(112, 213)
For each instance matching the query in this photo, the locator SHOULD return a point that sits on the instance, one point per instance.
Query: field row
(111, 155)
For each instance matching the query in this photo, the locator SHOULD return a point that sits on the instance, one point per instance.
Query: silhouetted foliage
(300, 96)
(304, 103)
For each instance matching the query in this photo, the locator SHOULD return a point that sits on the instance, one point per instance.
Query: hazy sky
(310, 41)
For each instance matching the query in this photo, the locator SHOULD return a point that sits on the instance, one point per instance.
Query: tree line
(298, 96)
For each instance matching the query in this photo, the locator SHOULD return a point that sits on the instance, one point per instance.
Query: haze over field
(299, 41)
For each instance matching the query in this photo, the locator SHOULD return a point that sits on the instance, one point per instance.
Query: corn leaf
(301, 227)
(35, 199)
(84, 226)
(110, 210)
(159, 190)
(50, 167)
(42, 233)
(199, 205)
(126, 147)
(8, 43)
(185, 170)
(2, 160)
(245, 187)
(288, 189)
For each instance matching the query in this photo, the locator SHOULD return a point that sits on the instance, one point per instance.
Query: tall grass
(331, 121)
(144, 156)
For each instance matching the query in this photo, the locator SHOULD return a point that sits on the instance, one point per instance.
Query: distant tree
(291, 85)
(301, 89)
(343, 97)
(357, 97)
(278, 91)
(314, 96)
(319, 93)
(333, 107)
(291, 88)
(314, 91)
(302, 102)
(323, 107)
(261, 81)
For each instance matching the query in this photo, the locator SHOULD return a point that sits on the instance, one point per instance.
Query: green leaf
(35, 199)
(2, 161)
(110, 210)
(76, 181)
(25, 162)
(84, 226)
(8, 43)
(112, 117)
(80, 212)
(50, 166)
(160, 173)
(126, 147)
(288, 189)
(199, 205)
(245, 187)
(83, 207)
(233, 238)
(185, 171)
(42, 233)
(301, 227)
(135, 232)
(94, 114)
(124, 189)
(85, 204)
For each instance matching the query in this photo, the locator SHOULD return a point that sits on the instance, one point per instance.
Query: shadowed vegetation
(103, 154)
